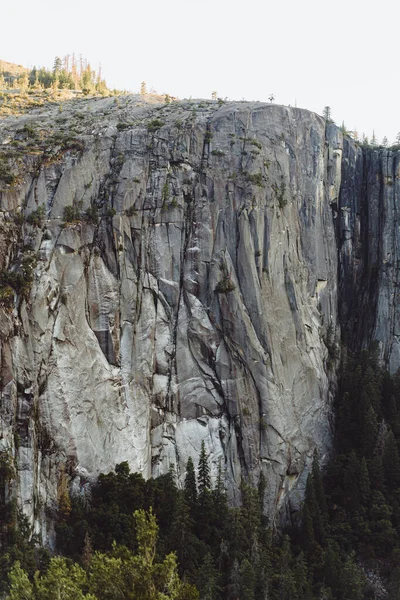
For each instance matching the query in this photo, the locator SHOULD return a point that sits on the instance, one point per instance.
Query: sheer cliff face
(369, 250)
(194, 308)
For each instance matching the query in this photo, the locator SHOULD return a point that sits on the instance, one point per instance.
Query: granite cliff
(175, 273)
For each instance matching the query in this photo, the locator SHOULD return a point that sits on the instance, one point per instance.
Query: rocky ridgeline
(170, 275)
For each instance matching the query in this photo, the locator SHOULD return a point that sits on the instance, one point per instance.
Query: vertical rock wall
(369, 242)
(190, 297)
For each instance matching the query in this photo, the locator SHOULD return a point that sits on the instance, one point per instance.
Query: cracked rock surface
(185, 296)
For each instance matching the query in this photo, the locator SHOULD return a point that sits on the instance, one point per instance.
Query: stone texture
(369, 237)
(195, 310)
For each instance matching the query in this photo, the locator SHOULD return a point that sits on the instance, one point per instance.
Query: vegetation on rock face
(154, 125)
(36, 216)
(20, 279)
(225, 285)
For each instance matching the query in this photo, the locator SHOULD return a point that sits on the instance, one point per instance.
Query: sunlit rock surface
(199, 303)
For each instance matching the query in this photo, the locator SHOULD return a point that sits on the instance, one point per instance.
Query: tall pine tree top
(204, 471)
(190, 488)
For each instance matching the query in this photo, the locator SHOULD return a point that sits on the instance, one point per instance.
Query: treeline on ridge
(69, 73)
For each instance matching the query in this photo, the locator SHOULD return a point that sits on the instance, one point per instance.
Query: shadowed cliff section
(368, 246)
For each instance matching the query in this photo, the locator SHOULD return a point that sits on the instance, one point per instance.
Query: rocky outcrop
(180, 287)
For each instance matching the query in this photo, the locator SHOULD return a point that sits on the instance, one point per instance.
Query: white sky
(306, 52)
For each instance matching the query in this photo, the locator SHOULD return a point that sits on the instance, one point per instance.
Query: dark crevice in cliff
(363, 224)
(185, 241)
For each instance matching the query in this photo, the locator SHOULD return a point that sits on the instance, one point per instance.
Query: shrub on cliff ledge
(225, 285)
(71, 214)
(154, 125)
(36, 216)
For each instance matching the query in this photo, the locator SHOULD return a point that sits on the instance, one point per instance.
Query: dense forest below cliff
(345, 542)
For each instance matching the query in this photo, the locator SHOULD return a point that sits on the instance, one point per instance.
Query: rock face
(369, 238)
(181, 286)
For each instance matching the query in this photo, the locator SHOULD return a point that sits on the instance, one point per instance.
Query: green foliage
(165, 193)
(256, 143)
(130, 211)
(92, 214)
(118, 574)
(7, 175)
(332, 345)
(255, 178)
(190, 488)
(327, 114)
(36, 216)
(19, 279)
(123, 126)
(20, 586)
(225, 284)
(111, 212)
(154, 125)
(71, 214)
(204, 480)
(280, 193)
(350, 517)
(6, 296)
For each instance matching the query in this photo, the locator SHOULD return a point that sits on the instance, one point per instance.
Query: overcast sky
(343, 54)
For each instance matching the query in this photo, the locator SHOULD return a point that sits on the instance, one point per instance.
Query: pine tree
(205, 503)
(247, 580)
(314, 522)
(368, 430)
(319, 488)
(286, 581)
(394, 584)
(331, 565)
(234, 582)
(391, 462)
(237, 535)
(327, 114)
(364, 484)
(20, 586)
(302, 578)
(182, 539)
(352, 581)
(87, 551)
(252, 521)
(204, 472)
(220, 503)
(190, 486)
(208, 579)
(57, 66)
(351, 482)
